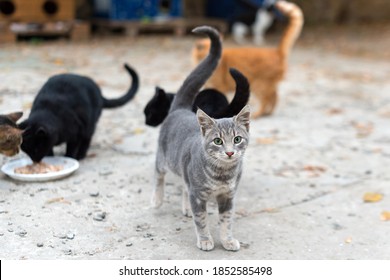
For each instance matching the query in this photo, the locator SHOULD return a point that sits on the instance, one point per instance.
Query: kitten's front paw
(231, 244)
(157, 199)
(187, 212)
(206, 243)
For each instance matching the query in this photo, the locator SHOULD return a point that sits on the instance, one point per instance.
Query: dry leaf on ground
(58, 199)
(313, 168)
(372, 197)
(138, 130)
(266, 141)
(362, 129)
(385, 216)
(335, 111)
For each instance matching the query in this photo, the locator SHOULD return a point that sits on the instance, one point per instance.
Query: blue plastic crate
(134, 9)
(226, 8)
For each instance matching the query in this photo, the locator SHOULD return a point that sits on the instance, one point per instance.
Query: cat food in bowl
(38, 168)
(50, 168)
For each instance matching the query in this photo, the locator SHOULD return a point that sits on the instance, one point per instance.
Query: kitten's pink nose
(229, 153)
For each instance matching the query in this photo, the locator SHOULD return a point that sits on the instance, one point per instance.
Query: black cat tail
(112, 103)
(196, 79)
(240, 98)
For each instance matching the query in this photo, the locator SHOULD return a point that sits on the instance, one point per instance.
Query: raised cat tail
(240, 98)
(195, 80)
(295, 16)
(112, 103)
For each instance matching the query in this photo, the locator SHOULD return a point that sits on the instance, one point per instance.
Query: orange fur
(263, 67)
(10, 135)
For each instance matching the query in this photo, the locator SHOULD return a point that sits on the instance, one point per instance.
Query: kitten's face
(225, 139)
(37, 142)
(10, 134)
(157, 108)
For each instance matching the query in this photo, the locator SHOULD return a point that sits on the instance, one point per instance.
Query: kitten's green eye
(237, 139)
(218, 141)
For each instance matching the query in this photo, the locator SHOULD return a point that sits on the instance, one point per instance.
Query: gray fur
(187, 148)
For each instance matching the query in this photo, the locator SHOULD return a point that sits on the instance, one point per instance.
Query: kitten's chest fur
(213, 180)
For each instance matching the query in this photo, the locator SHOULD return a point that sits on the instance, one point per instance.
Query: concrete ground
(307, 169)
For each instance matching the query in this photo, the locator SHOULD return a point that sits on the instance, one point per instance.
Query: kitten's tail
(295, 15)
(112, 103)
(195, 80)
(240, 98)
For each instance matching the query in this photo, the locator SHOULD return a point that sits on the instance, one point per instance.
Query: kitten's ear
(160, 93)
(41, 132)
(243, 117)
(205, 122)
(15, 116)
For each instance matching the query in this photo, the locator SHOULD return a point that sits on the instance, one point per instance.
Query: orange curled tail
(295, 16)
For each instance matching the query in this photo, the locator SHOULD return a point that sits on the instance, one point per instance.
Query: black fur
(66, 110)
(158, 107)
(240, 98)
(211, 101)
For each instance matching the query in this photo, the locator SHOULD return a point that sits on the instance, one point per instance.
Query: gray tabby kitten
(207, 153)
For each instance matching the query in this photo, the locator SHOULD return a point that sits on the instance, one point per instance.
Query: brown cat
(10, 134)
(263, 67)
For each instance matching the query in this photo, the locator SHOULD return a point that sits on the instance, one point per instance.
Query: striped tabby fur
(207, 153)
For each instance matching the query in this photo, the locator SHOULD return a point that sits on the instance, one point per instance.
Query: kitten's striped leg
(199, 214)
(225, 207)
(185, 206)
(158, 192)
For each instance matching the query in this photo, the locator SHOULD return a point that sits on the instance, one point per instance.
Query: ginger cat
(10, 134)
(263, 67)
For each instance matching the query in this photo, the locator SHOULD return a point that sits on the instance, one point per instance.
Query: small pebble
(105, 172)
(68, 252)
(337, 226)
(244, 245)
(99, 216)
(22, 233)
(94, 194)
(60, 235)
(70, 235)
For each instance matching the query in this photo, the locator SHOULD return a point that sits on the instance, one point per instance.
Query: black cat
(211, 101)
(66, 110)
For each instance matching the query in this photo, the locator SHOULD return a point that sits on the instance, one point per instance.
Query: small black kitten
(211, 101)
(66, 110)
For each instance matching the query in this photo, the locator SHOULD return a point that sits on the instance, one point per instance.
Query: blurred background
(79, 19)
